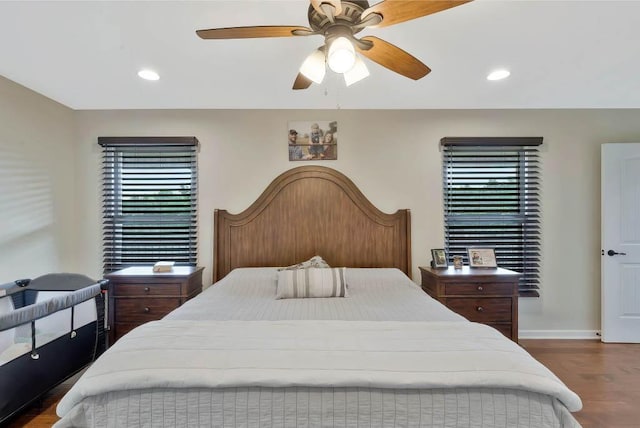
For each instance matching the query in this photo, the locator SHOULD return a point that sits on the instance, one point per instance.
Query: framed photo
(482, 257)
(313, 140)
(439, 258)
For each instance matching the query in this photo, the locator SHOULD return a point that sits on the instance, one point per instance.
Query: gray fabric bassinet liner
(36, 311)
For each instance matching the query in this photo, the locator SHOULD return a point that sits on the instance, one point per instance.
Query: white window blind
(150, 200)
(491, 199)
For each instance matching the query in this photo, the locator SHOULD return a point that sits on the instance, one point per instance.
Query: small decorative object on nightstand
(163, 266)
(438, 258)
(457, 262)
(481, 257)
(485, 295)
(138, 295)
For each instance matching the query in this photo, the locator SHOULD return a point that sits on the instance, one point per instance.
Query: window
(149, 201)
(491, 200)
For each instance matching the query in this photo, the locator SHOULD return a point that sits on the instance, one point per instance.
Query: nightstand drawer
(143, 310)
(171, 289)
(120, 329)
(487, 296)
(479, 289)
(138, 295)
(502, 328)
(482, 310)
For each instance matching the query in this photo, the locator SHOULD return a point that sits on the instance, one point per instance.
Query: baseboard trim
(559, 334)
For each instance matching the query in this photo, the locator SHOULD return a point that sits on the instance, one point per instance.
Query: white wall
(393, 157)
(49, 223)
(37, 202)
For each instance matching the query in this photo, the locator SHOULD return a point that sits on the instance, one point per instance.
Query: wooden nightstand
(485, 295)
(138, 295)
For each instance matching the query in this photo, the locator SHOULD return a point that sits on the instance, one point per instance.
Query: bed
(386, 355)
(50, 328)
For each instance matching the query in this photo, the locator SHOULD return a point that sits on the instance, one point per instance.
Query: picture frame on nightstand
(482, 257)
(439, 258)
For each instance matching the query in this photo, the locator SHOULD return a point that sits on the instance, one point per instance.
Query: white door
(621, 243)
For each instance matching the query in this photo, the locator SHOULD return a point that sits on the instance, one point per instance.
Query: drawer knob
(480, 288)
(147, 289)
(479, 309)
(147, 309)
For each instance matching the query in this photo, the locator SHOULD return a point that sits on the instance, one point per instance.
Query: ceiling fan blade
(396, 11)
(301, 82)
(393, 58)
(254, 32)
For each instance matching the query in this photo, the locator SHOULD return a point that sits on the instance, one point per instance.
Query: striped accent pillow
(311, 282)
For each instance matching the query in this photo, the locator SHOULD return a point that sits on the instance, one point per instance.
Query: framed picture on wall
(313, 140)
(482, 257)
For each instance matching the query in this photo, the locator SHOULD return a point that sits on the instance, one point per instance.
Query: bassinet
(50, 328)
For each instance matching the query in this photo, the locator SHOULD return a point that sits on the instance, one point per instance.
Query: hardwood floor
(42, 413)
(605, 376)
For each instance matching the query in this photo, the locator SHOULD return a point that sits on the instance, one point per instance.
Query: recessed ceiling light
(498, 74)
(148, 75)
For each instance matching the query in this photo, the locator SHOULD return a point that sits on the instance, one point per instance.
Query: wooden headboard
(308, 211)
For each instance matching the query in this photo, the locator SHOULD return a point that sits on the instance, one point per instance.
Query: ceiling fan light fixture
(498, 74)
(358, 72)
(147, 74)
(313, 67)
(338, 21)
(342, 55)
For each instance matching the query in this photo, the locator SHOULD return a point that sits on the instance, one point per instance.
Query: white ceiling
(85, 54)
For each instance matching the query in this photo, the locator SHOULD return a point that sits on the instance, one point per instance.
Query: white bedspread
(374, 295)
(389, 354)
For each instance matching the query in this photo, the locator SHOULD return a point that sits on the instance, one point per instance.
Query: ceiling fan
(339, 21)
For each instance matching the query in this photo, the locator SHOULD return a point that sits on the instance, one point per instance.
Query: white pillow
(311, 282)
(313, 262)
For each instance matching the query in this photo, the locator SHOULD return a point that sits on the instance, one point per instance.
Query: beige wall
(393, 157)
(37, 202)
(49, 223)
